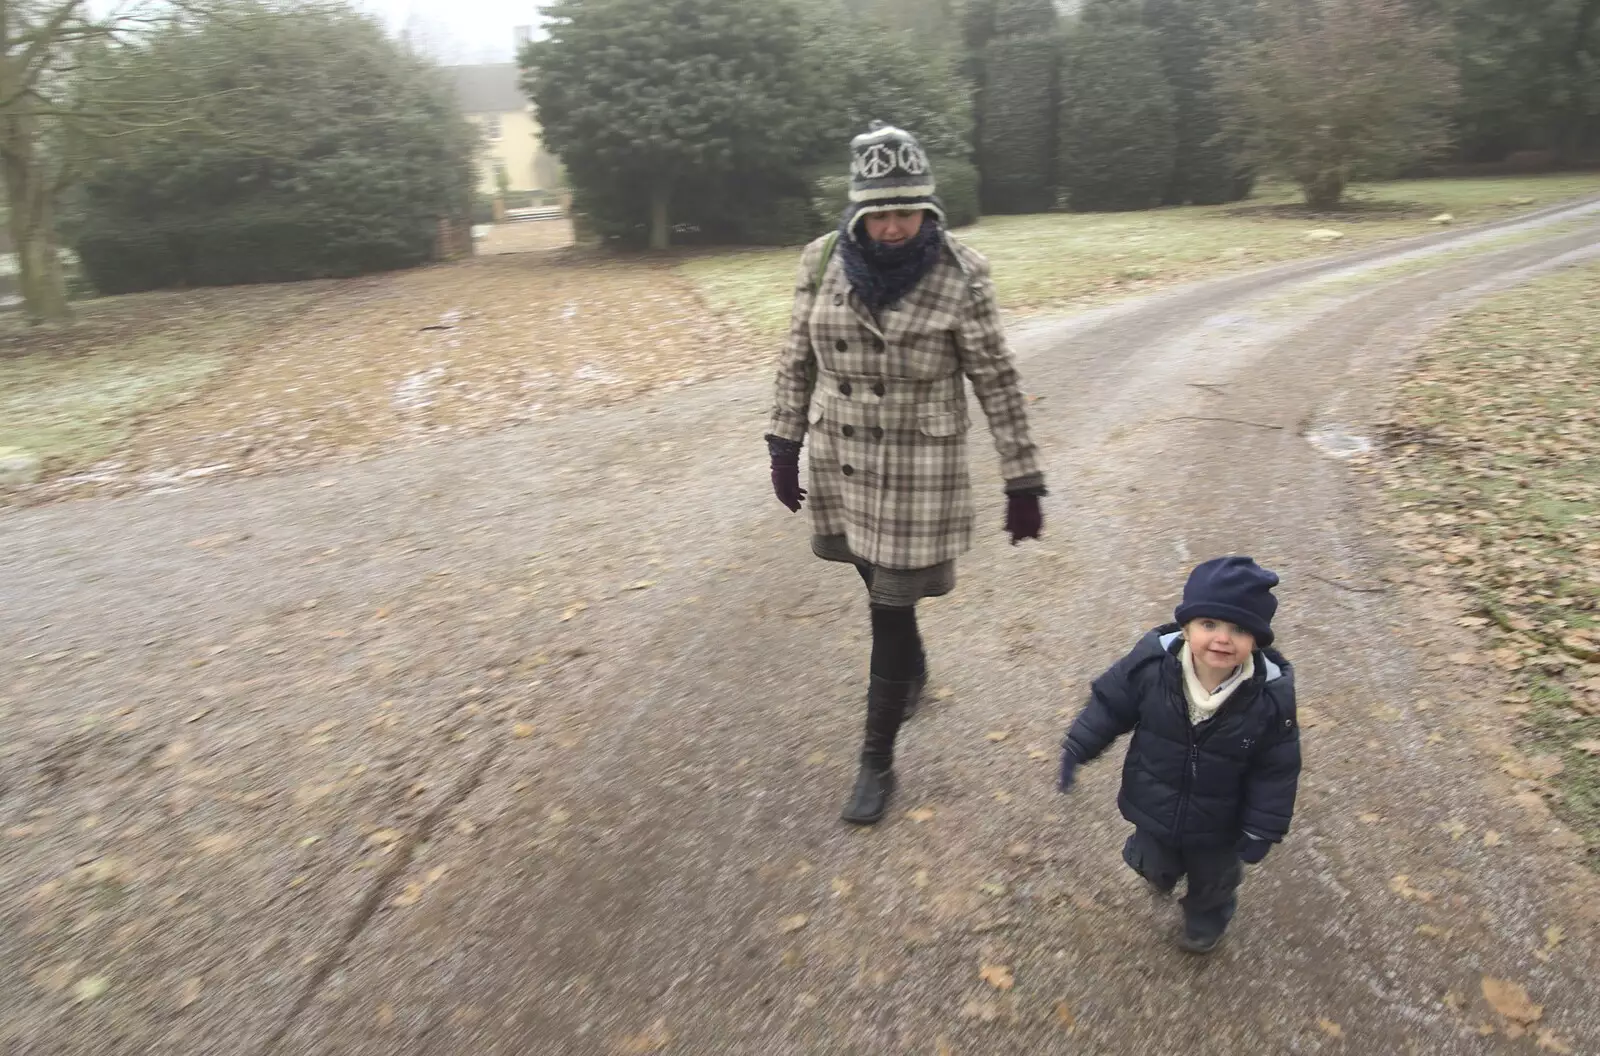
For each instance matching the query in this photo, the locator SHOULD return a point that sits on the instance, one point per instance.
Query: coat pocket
(941, 419)
(814, 412)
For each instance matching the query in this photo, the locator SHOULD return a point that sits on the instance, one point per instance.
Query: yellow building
(491, 99)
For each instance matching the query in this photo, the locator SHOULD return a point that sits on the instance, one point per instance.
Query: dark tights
(896, 643)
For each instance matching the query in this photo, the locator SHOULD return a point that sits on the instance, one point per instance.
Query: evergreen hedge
(1118, 144)
(1018, 150)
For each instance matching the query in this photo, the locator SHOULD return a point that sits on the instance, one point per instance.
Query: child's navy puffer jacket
(1196, 786)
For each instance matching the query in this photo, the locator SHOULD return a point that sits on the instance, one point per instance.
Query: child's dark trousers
(1214, 877)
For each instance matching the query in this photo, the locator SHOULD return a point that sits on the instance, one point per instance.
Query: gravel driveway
(534, 743)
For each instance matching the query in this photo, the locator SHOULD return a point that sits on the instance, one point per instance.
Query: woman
(889, 313)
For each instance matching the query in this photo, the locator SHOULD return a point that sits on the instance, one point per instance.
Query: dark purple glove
(1024, 516)
(786, 472)
(1252, 850)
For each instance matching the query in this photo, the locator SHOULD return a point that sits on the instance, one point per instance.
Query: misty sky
(458, 31)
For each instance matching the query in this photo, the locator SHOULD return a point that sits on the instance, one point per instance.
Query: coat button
(848, 471)
(877, 344)
(838, 298)
(877, 432)
(844, 388)
(841, 345)
(848, 430)
(878, 389)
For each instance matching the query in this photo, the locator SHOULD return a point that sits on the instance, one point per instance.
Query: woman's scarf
(883, 274)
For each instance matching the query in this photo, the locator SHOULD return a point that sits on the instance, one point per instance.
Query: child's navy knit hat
(1235, 589)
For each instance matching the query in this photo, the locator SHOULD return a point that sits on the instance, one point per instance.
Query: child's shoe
(1190, 942)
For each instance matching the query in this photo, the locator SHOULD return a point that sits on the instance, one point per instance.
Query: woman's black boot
(875, 781)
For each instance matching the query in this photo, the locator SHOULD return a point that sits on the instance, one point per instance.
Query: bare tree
(47, 52)
(1332, 91)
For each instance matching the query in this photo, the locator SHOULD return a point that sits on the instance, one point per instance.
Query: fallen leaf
(996, 736)
(384, 1015)
(643, 584)
(1002, 797)
(943, 693)
(1511, 1001)
(573, 610)
(1588, 747)
(921, 880)
(1453, 1001)
(941, 1047)
(90, 988)
(1401, 885)
(1454, 829)
(1550, 1043)
(808, 1001)
(189, 993)
(1463, 658)
(1370, 819)
(1064, 1017)
(522, 730)
(1554, 936)
(997, 976)
(816, 758)
(655, 1039)
(1432, 932)
(56, 979)
(1330, 1028)
(842, 888)
(197, 716)
(790, 925)
(1486, 1029)
(920, 814)
(1038, 755)
(1491, 839)
(993, 890)
(409, 897)
(221, 843)
(386, 837)
(983, 1011)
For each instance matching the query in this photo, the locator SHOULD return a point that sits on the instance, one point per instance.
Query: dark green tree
(1017, 148)
(1529, 73)
(646, 100)
(1118, 140)
(313, 146)
(1207, 169)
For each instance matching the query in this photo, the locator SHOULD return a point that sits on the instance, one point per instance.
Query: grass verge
(1496, 473)
(1058, 260)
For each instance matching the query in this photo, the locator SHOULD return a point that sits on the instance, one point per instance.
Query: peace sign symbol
(877, 161)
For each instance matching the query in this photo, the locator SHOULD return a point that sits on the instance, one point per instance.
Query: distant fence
(537, 212)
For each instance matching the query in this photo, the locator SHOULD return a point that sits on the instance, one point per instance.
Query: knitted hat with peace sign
(889, 171)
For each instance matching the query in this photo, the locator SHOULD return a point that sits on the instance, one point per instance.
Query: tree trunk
(660, 229)
(1324, 191)
(31, 206)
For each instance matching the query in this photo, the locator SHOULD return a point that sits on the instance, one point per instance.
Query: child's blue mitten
(1069, 769)
(1251, 849)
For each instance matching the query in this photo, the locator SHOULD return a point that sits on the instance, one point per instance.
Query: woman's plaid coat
(885, 407)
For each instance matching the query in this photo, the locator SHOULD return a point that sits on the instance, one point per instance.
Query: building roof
(488, 89)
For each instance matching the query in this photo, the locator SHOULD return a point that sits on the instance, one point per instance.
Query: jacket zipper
(1192, 771)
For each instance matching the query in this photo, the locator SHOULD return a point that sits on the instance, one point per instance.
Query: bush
(774, 212)
(265, 242)
(1017, 155)
(1118, 143)
(341, 158)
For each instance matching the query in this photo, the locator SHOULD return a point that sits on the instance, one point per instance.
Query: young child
(1213, 766)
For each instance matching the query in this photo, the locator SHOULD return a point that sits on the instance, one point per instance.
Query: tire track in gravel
(646, 844)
